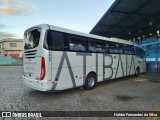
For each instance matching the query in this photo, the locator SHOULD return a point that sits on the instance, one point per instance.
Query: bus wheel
(90, 82)
(137, 72)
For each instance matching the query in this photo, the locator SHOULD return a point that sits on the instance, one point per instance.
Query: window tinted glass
(77, 43)
(57, 40)
(116, 48)
(128, 49)
(63, 41)
(97, 46)
(140, 52)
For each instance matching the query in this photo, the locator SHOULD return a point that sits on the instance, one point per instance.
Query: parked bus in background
(58, 58)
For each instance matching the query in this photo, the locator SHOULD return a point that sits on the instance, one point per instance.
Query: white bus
(57, 58)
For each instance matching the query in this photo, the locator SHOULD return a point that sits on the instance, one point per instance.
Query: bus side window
(131, 48)
(106, 48)
(116, 48)
(113, 48)
(125, 49)
(140, 52)
(77, 43)
(57, 40)
(128, 49)
(96, 46)
(119, 48)
(91, 46)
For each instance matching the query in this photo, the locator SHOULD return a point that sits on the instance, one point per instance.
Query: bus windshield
(31, 39)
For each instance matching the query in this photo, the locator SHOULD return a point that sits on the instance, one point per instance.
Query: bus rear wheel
(90, 81)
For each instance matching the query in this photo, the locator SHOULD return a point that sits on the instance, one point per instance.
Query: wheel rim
(91, 82)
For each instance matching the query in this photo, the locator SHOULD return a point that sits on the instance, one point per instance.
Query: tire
(90, 81)
(137, 72)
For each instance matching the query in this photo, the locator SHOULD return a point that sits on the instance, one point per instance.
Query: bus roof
(65, 30)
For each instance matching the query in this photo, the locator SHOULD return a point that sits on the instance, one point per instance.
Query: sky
(18, 15)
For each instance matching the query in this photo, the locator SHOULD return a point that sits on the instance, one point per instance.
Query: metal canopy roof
(128, 19)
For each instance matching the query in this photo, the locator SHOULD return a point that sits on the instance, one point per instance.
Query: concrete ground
(125, 94)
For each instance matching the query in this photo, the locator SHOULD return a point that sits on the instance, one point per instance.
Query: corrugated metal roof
(128, 19)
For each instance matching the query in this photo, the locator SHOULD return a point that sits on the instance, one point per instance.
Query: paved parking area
(124, 94)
